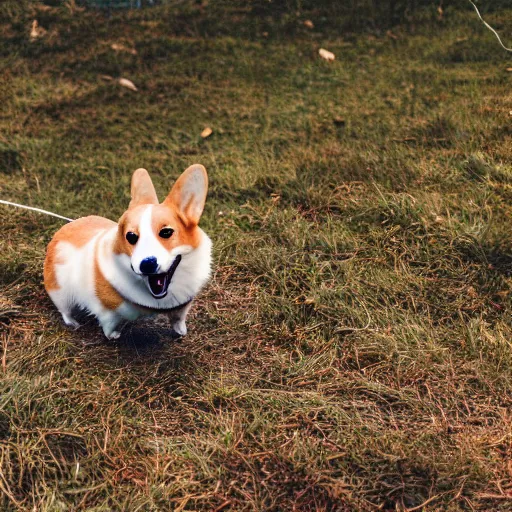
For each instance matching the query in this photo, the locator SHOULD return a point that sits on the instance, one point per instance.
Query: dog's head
(155, 236)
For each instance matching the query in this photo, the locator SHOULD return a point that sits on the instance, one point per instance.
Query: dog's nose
(148, 265)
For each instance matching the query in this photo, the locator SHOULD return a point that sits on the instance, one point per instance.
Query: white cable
(36, 210)
(489, 27)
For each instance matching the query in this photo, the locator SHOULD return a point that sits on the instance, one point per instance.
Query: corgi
(154, 260)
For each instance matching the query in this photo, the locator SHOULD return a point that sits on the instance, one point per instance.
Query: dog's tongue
(158, 284)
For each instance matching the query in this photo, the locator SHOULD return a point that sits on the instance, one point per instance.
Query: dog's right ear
(142, 191)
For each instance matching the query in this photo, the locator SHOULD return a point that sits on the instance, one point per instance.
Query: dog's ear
(142, 191)
(188, 194)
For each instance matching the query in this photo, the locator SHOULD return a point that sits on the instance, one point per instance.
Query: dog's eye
(166, 232)
(132, 237)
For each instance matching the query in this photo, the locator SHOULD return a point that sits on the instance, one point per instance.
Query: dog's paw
(70, 322)
(180, 328)
(114, 335)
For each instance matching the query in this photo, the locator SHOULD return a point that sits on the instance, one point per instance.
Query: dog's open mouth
(159, 283)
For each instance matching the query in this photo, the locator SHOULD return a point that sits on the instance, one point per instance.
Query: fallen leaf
(43, 7)
(206, 132)
(122, 48)
(127, 83)
(36, 31)
(326, 54)
(309, 24)
(509, 70)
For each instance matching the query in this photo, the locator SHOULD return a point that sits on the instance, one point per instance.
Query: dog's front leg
(178, 319)
(109, 320)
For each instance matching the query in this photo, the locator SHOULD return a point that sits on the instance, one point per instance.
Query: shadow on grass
(147, 336)
(497, 259)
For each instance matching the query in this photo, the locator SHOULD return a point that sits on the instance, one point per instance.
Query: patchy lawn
(353, 349)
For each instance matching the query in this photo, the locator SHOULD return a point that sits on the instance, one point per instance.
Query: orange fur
(49, 274)
(80, 231)
(77, 233)
(107, 295)
(129, 221)
(163, 217)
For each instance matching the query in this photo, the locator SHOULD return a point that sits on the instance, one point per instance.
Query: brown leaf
(36, 31)
(308, 24)
(118, 47)
(124, 82)
(326, 54)
(206, 132)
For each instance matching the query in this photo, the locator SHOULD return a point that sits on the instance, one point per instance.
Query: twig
(491, 496)
(430, 500)
(5, 341)
(489, 27)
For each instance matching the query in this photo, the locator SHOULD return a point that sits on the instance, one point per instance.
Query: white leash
(35, 210)
(490, 28)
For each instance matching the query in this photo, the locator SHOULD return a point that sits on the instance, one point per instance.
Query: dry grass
(352, 351)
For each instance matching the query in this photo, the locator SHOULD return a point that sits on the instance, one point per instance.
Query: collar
(162, 310)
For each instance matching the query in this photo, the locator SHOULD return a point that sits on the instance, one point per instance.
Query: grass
(352, 351)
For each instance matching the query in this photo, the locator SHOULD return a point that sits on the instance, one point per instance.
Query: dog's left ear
(142, 190)
(188, 194)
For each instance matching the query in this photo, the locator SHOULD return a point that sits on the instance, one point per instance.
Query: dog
(154, 260)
